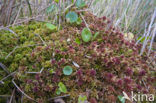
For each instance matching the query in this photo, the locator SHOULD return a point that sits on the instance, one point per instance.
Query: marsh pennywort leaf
(62, 87)
(86, 35)
(95, 35)
(82, 99)
(50, 8)
(51, 26)
(122, 100)
(80, 3)
(67, 70)
(58, 92)
(72, 17)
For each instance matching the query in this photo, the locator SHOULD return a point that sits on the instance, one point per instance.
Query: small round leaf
(86, 35)
(80, 3)
(67, 70)
(51, 26)
(50, 8)
(72, 17)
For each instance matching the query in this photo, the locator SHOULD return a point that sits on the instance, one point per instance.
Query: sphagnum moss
(106, 65)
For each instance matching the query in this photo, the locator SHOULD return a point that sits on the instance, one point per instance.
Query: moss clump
(102, 68)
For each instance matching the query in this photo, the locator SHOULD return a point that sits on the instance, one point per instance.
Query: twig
(85, 22)
(5, 28)
(148, 33)
(36, 72)
(69, 6)
(1, 81)
(22, 91)
(82, 10)
(18, 13)
(21, 47)
(4, 67)
(12, 96)
(59, 11)
(31, 45)
(41, 39)
(23, 21)
(6, 96)
(11, 52)
(153, 36)
(29, 6)
(58, 97)
(144, 84)
(22, 98)
(75, 64)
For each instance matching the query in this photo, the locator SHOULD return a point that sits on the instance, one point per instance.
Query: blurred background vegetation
(136, 16)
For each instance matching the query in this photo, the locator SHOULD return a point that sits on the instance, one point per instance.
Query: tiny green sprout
(72, 17)
(57, 1)
(95, 35)
(82, 99)
(67, 70)
(80, 3)
(143, 39)
(122, 100)
(62, 87)
(79, 21)
(51, 26)
(51, 71)
(77, 40)
(86, 35)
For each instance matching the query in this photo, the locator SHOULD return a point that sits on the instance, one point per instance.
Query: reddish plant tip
(139, 87)
(35, 89)
(129, 87)
(57, 51)
(92, 72)
(127, 80)
(116, 60)
(79, 72)
(29, 81)
(104, 18)
(109, 75)
(108, 21)
(129, 71)
(80, 82)
(120, 82)
(142, 72)
(37, 76)
(93, 100)
(53, 61)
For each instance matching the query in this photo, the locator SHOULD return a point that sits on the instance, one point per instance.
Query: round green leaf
(58, 92)
(51, 26)
(67, 70)
(50, 8)
(86, 35)
(80, 3)
(72, 17)
(122, 100)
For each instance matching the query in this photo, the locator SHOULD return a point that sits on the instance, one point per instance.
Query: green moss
(96, 59)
